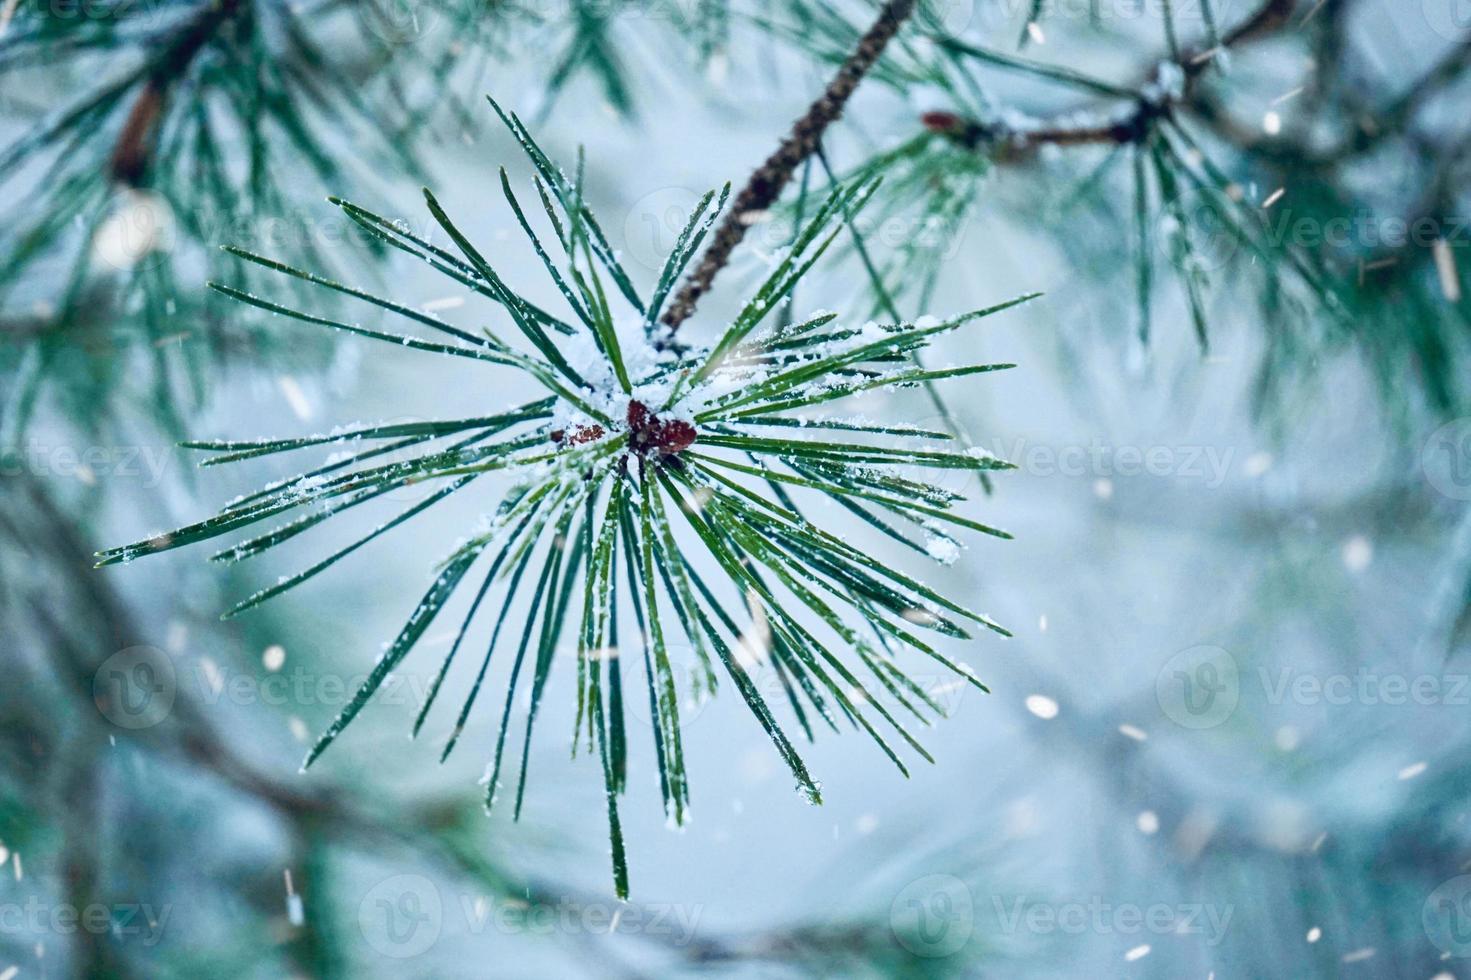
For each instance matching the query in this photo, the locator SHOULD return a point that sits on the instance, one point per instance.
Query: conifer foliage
(653, 477)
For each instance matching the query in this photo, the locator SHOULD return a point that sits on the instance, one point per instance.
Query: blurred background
(1229, 736)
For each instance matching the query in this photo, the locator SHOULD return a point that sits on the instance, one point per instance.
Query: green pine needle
(666, 465)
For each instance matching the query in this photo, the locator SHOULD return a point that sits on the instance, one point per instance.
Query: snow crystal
(295, 397)
(1020, 122)
(1358, 553)
(943, 550)
(1167, 85)
(1042, 706)
(295, 913)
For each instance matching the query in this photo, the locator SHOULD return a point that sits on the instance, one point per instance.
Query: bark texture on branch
(1269, 18)
(766, 184)
(133, 151)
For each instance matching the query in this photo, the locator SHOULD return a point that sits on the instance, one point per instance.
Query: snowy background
(1229, 736)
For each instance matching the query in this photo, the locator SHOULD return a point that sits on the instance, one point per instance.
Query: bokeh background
(1229, 736)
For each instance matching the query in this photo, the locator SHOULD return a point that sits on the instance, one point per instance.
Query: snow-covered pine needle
(650, 477)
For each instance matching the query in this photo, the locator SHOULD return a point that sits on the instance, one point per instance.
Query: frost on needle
(649, 497)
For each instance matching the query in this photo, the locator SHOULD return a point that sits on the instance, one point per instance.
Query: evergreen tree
(690, 480)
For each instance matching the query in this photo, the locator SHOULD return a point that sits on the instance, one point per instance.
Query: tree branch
(1270, 17)
(766, 184)
(134, 148)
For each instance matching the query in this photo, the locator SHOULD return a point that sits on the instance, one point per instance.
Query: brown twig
(1269, 18)
(134, 148)
(766, 184)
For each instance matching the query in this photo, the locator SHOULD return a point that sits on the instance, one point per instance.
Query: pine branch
(626, 438)
(1270, 17)
(134, 149)
(766, 184)
(438, 832)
